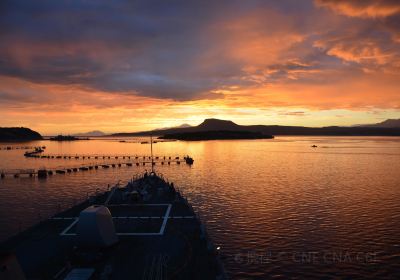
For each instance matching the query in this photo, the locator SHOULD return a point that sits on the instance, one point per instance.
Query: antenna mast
(151, 148)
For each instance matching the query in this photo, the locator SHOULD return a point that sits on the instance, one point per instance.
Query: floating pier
(118, 161)
(43, 173)
(8, 148)
(127, 159)
(99, 156)
(18, 172)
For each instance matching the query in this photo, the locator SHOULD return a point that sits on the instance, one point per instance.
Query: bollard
(42, 173)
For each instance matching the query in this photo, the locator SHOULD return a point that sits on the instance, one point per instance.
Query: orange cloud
(350, 90)
(364, 51)
(138, 70)
(363, 8)
(252, 40)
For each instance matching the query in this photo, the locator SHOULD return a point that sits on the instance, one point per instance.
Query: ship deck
(160, 237)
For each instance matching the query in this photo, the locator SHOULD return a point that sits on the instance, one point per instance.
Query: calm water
(277, 208)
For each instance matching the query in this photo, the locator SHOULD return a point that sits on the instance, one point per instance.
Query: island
(66, 138)
(389, 127)
(216, 135)
(11, 134)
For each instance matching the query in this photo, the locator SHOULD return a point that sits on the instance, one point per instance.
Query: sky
(71, 66)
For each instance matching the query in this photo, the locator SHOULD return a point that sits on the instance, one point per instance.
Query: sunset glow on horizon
(124, 66)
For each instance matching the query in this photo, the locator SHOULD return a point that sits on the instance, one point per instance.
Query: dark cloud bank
(160, 48)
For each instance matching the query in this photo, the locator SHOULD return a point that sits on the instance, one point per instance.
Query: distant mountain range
(185, 125)
(216, 135)
(94, 133)
(390, 127)
(98, 133)
(380, 129)
(390, 123)
(18, 134)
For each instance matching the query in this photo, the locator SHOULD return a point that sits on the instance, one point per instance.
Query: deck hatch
(149, 221)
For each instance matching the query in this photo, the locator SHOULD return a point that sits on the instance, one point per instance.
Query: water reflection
(276, 207)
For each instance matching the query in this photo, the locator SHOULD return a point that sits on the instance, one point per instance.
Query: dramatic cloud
(370, 53)
(147, 48)
(183, 51)
(154, 60)
(362, 8)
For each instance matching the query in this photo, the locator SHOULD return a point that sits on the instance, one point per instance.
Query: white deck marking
(129, 217)
(110, 195)
(161, 232)
(139, 204)
(165, 219)
(138, 233)
(69, 227)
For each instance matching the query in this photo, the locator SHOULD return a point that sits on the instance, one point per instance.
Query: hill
(216, 135)
(180, 126)
(390, 123)
(61, 138)
(94, 133)
(216, 125)
(18, 134)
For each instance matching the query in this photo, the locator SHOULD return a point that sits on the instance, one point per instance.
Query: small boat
(314, 146)
(144, 142)
(188, 160)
